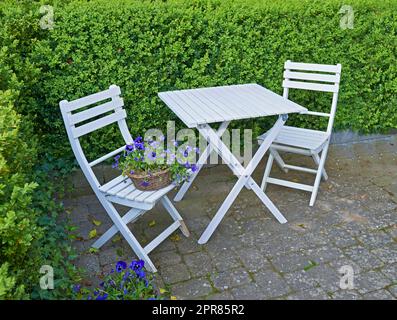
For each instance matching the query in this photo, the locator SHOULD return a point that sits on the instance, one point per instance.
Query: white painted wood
(310, 86)
(319, 174)
(130, 216)
(298, 168)
(320, 114)
(207, 105)
(162, 236)
(313, 67)
(321, 77)
(290, 184)
(267, 171)
(199, 107)
(113, 91)
(305, 141)
(115, 103)
(300, 137)
(120, 189)
(201, 161)
(316, 159)
(244, 178)
(106, 156)
(98, 124)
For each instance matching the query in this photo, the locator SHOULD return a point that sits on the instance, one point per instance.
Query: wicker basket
(154, 181)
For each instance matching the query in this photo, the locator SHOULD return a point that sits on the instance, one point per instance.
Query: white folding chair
(313, 143)
(120, 190)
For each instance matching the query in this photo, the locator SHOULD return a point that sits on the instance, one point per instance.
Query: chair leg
(129, 217)
(319, 174)
(280, 162)
(175, 215)
(316, 159)
(126, 232)
(267, 171)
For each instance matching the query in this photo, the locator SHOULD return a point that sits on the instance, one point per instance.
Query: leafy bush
(151, 46)
(29, 233)
(147, 47)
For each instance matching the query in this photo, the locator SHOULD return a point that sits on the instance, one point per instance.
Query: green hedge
(30, 235)
(146, 47)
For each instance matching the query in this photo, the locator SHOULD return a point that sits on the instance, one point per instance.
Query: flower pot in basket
(151, 181)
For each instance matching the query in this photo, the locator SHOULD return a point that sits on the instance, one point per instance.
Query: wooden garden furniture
(198, 108)
(312, 143)
(106, 108)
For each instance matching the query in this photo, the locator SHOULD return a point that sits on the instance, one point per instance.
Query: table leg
(243, 173)
(202, 160)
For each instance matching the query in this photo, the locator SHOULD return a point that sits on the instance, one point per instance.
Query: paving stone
(346, 295)
(253, 259)
(166, 258)
(393, 290)
(352, 223)
(199, 263)
(387, 254)
(390, 271)
(300, 280)
(375, 239)
(223, 295)
(108, 256)
(341, 237)
(229, 279)
(175, 273)
(378, 295)
(324, 254)
(370, 281)
(365, 259)
(188, 245)
(338, 264)
(224, 260)
(193, 288)
(310, 294)
(271, 283)
(325, 276)
(249, 291)
(290, 262)
(89, 263)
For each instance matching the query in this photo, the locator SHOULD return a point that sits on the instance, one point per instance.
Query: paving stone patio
(251, 255)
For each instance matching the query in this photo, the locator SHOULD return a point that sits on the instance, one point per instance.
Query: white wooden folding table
(197, 108)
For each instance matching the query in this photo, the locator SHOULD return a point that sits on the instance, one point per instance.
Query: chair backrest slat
(113, 91)
(310, 86)
(98, 124)
(116, 103)
(330, 68)
(315, 77)
(320, 77)
(97, 109)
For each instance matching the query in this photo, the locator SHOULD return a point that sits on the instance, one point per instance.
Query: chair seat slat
(112, 183)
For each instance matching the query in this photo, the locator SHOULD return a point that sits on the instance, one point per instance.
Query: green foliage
(124, 282)
(147, 47)
(29, 234)
(151, 46)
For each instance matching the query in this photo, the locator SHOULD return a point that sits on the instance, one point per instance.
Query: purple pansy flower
(137, 265)
(103, 296)
(120, 266)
